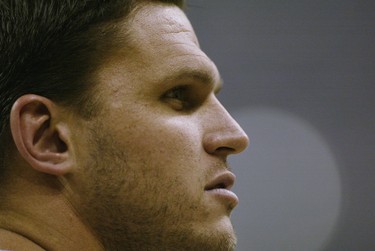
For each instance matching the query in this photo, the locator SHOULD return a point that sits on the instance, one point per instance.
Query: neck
(35, 215)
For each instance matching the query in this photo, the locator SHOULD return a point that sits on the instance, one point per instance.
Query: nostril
(225, 150)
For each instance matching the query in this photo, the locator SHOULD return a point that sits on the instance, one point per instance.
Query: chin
(219, 241)
(217, 237)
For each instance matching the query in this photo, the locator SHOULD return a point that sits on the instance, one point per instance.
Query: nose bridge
(228, 122)
(222, 132)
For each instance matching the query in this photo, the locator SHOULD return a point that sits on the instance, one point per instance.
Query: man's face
(157, 152)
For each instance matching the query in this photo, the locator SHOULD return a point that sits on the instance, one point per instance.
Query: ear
(39, 137)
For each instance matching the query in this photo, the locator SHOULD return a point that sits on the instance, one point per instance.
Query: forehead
(161, 20)
(160, 41)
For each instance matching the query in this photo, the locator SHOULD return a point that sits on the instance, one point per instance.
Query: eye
(179, 98)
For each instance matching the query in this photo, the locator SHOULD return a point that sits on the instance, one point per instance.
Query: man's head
(142, 160)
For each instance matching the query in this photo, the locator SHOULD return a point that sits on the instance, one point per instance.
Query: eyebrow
(200, 75)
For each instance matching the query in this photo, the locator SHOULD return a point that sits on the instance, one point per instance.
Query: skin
(135, 176)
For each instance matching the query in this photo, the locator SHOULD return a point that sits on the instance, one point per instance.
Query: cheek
(147, 169)
(166, 150)
(164, 140)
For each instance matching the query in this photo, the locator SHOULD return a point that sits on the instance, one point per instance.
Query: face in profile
(153, 172)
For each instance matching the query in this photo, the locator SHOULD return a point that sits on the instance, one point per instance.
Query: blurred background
(299, 76)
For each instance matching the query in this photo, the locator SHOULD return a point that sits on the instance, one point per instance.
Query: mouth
(220, 186)
(222, 181)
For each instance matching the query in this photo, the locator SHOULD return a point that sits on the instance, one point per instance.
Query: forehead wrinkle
(166, 19)
(174, 36)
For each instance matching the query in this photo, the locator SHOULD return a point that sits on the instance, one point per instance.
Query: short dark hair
(51, 48)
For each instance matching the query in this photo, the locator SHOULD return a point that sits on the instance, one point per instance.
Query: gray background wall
(299, 76)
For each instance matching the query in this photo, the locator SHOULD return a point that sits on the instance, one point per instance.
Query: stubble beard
(133, 222)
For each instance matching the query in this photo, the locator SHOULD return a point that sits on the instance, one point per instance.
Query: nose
(223, 135)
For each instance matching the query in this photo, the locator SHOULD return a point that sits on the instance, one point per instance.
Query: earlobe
(38, 136)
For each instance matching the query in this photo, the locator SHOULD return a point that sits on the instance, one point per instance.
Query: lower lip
(226, 195)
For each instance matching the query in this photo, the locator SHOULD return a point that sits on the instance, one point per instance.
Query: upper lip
(222, 181)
